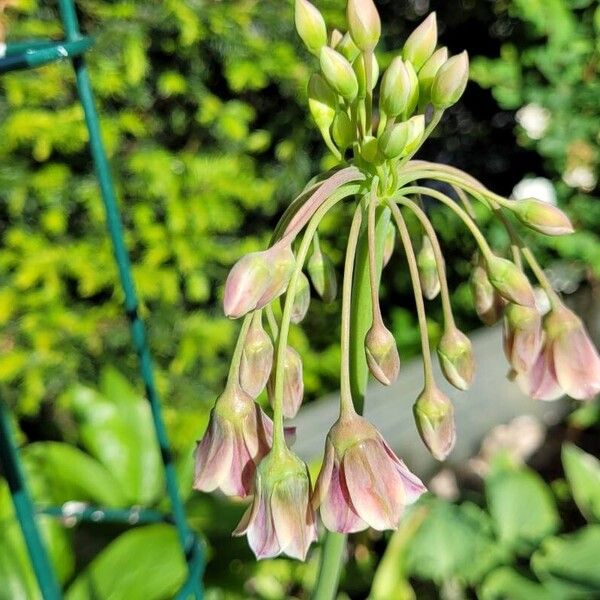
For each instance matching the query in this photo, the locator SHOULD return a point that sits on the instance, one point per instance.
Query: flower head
(280, 519)
(238, 435)
(362, 482)
(522, 336)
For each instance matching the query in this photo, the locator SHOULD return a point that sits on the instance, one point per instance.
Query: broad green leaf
(507, 583)
(522, 507)
(583, 474)
(568, 564)
(142, 564)
(62, 472)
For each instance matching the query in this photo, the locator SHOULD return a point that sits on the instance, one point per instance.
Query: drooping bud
(421, 42)
(522, 336)
(488, 303)
(434, 416)
(322, 102)
(293, 384)
(395, 88)
(257, 358)
(342, 131)
(389, 243)
(382, 354)
(310, 26)
(257, 279)
(542, 216)
(301, 299)
(335, 38)
(455, 354)
(509, 281)
(363, 23)
(428, 72)
(322, 275)
(338, 73)
(362, 482)
(450, 81)
(281, 519)
(347, 48)
(428, 273)
(359, 70)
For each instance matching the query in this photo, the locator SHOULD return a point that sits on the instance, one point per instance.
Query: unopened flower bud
(542, 216)
(395, 88)
(416, 129)
(301, 299)
(310, 26)
(338, 73)
(511, 283)
(347, 48)
(421, 42)
(257, 279)
(322, 275)
(293, 384)
(359, 70)
(257, 358)
(389, 243)
(428, 273)
(522, 336)
(342, 131)
(434, 416)
(363, 23)
(335, 38)
(428, 72)
(456, 358)
(450, 81)
(370, 150)
(382, 354)
(488, 303)
(413, 94)
(322, 102)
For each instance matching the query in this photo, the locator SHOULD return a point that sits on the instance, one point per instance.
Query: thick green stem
(234, 368)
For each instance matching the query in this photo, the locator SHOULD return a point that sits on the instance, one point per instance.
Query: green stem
(234, 368)
(331, 565)
(373, 275)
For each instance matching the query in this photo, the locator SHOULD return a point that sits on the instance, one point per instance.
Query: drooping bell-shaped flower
(455, 354)
(293, 384)
(522, 336)
(510, 282)
(281, 519)
(238, 436)
(257, 358)
(434, 416)
(362, 482)
(540, 382)
(382, 353)
(257, 279)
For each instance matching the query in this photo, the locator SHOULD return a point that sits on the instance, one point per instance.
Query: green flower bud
(301, 299)
(395, 88)
(347, 48)
(416, 129)
(509, 281)
(310, 26)
(541, 216)
(370, 150)
(322, 102)
(455, 354)
(413, 93)
(428, 72)
(488, 303)
(322, 275)
(428, 273)
(450, 81)
(359, 69)
(393, 140)
(434, 416)
(342, 130)
(421, 42)
(382, 354)
(338, 73)
(257, 358)
(335, 38)
(363, 23)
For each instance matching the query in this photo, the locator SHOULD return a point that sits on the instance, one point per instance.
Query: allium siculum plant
(374, 126)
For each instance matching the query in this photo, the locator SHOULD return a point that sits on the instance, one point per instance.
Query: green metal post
(11, 466)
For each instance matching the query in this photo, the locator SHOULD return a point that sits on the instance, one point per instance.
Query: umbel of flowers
(374, 126)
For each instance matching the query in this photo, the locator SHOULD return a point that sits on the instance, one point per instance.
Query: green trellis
(27, 55)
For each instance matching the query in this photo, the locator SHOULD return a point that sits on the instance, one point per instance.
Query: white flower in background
(534, 119)
(581, 177)
(535, 187)
(2, 49)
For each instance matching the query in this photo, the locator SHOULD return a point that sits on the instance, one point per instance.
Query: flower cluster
(362, 483)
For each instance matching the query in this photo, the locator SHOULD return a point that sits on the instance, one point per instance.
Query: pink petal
(238, 480)
(261, 531)
(324, 478)
(213, 455)
(413, 486)
(375, 486)
(540, 381)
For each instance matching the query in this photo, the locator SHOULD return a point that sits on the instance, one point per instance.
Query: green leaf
(60, 472)
(506, 582)
(583, 474)
(142, 564)
(522, 507)
(568, 564)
